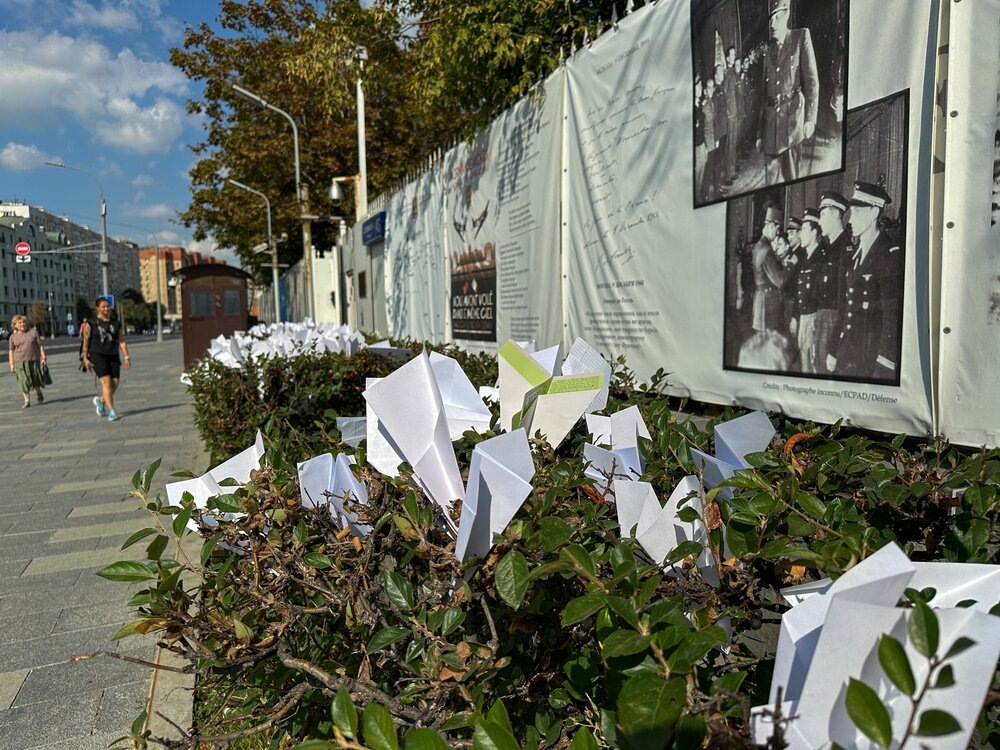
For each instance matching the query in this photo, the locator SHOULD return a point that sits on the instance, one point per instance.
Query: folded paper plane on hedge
(532, 398)
(831, 636)
(500, 475)
(463, 407)
(622, 459)
(411, 417)
(209, 484)
(326, 480)
(734, 440)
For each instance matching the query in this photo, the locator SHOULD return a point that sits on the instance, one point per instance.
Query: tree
(134, 314)
(83, 309)
(436, 71)
(38, 313)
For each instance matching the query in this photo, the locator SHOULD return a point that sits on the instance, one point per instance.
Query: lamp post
(104, 222)
(301, 194)
(271, 244)
(362, 184)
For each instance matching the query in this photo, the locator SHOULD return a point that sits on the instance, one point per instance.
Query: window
(231, 302)
(202, 304)
(363, 284)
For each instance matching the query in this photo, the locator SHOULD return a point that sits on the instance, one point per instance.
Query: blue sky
(89, 83)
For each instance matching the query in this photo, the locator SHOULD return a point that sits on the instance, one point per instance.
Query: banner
(414, 266)
(970, 273)
(752, 217)
(502, 226)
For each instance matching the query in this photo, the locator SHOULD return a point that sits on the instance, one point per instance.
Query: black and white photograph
(770, 79)
(815, 270)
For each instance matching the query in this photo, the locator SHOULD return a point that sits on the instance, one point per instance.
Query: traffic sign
(22, 248)
(22, 259)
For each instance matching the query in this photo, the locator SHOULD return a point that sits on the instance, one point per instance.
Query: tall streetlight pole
(271, 244)
(104, 222)
(362, 187)
(301, 195)
(159, 294)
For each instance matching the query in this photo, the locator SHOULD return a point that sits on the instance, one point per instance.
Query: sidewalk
(65, 478)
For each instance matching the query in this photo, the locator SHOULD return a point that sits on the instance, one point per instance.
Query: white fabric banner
(415, 275)
(502, 226)
(678, 249)
(970, 273)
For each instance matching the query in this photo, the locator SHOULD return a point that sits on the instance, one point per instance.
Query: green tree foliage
(436, 71)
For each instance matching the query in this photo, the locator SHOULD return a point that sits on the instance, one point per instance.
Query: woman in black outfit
(102, 338)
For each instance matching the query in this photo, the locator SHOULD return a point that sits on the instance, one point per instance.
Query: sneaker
(99, 406)
(112, 416)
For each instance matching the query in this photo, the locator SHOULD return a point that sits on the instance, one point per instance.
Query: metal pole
(159, 307)
(271, 244)
(362, 199)
(52, 329)
(300, 194)
(104, 221)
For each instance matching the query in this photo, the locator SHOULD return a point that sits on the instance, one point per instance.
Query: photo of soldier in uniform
(833, 307)
(773, 75)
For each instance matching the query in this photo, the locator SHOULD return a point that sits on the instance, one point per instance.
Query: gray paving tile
(43, 724)
(72, 678)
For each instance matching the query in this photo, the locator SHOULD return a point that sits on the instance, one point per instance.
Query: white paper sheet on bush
(328, 480)
(463, 407)
(208, 485)
(621, 432)
(353, 430)
(832, 636)
(751, 433)
(380, 450)
(410, 410)
(500, 474)
(657, 529)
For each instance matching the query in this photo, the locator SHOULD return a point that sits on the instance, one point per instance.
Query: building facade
(155, 286)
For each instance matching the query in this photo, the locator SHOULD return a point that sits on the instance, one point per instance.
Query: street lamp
(271, 244)
(301, 193)
(362, 184)
(104, 221)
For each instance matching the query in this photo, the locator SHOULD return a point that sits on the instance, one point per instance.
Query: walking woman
(103, 337)
(27, 355)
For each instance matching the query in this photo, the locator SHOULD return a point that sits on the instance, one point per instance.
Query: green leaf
(936, 723)
(137, 536)
(945, 678)
(682, 550)
(624, 643)
(811, 504)
(453, 617)
(868, 713)
(512, 578)
(127, 570)
(300, 534)
(206, 549)
(380, 734)
(424, 739)
(580, 559)
(315, 745)
(583, 740)
(960, 645)
(691, 732)
(923, 629)
(489, 735)
(146, 476)
(895, 664)
(242, 631)
(387, 637)
(499, 716)
(555, 532)
(156, 547)
(317, 560)
(398, 589)
(582, 607)
(345, 715)
(181, 520)
(648, 710)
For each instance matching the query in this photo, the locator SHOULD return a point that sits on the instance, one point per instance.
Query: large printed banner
(414, 266)
(752, 216)
(970, 284)
(502, 226)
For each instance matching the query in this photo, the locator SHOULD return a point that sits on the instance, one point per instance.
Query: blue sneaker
(112, 416)
(100, 406)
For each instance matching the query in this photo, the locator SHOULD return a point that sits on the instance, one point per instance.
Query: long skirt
(29, 374)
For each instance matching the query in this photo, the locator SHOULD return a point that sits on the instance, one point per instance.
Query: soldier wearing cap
(869, 318)
(794, 256)
(791, 95)
(829, 280)
(768, 276)
(806, 300)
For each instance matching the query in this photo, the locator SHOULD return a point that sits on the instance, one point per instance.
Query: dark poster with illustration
(473, 296)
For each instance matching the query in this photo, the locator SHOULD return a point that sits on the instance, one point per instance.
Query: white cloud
(106, 17)
(211, 247)
(19, 157)
(142, 180)
(121, 99)
(153, 211)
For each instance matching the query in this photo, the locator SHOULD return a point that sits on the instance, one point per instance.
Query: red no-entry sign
(22, 248)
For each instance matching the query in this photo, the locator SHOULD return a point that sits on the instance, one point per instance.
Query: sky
(88, 83)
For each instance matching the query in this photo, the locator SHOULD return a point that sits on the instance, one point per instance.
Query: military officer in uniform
(806, 300)
(869, 316)
(792, 228)
(832, 208)
(768, 276)
(791, 95)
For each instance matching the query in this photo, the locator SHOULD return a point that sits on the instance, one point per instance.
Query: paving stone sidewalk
(65, 509)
